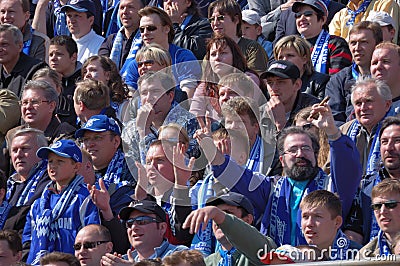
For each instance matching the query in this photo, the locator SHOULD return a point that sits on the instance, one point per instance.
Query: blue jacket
(80, 212)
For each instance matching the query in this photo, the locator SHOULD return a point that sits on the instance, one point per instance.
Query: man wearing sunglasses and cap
(385, 206)
(146, 223)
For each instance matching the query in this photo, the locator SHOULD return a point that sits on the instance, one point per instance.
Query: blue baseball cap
(65, 148)
(99, 123)
(80, 6)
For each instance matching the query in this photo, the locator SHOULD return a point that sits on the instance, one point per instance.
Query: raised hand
(101, 198)
(144, 118)
(276, 110)
(142, 183)
(200, 217)
(181, 171)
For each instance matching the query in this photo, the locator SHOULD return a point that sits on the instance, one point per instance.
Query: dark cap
(145, 206)
(318, 5)
(80, 6)
(282, 68)
(233, 199)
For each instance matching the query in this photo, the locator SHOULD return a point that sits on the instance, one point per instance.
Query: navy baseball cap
(65, 148)
(145, 206)
(282, 68)
(317, 5)
(99, 123)
(80, 6)
(233, 199)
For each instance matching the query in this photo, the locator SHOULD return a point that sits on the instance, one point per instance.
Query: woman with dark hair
(295, 49)
(191, 30)
(223, 57)
(103, 69)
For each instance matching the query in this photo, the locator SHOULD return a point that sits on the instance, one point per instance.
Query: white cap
(380, 17)
(251, 17)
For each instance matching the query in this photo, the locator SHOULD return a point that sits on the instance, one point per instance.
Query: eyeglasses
(88, 245)
(95, 138)
(219, 18)
(294, 150)
(307, 13)
(391, 204)
(141, 220)
(147, 63)
(148, 28)
(34, 102)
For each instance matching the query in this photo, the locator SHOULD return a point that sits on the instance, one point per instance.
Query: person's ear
(258, 30)
(117, 141)
(53, 106)
(163, 228)
(109, 247)
(74, 57)
(248, 218)
(2, 194)
(91, 20)
(338, 221)
(18, 256)
(27, 15)
(77, 166)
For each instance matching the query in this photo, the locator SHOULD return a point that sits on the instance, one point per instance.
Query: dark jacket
(65, 110)
(22, 71)
(314, 84)
(39, 43)
(106, 47)
(339, 89)
(193, 37)
(287, 22)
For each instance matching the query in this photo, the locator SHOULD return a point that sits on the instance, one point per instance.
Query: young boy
(64, 207)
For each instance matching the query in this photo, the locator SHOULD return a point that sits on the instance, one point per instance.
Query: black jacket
(339, 89)
(22, 71)
(194, 36)
(314, 84)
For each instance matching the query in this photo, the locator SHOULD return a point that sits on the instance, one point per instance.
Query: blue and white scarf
(4, 210)
(30, 187)
(114, 169)
(319, 55)
(374, 156)
(226, 256)
(256, 158)
(384, 247)
(116, 50)
(374, 224)
(280, 218)
(46, 221)
(340, 246)
(60, 27)
(353, 14)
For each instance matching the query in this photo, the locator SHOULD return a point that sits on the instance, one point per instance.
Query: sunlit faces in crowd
(221, 59)
(127, 12)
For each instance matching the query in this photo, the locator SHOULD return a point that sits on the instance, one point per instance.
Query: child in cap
(64, 207)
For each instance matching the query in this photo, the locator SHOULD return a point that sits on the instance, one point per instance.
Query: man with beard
(298, 150)
(362, 225)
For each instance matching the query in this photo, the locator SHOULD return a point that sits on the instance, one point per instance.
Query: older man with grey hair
(16, 67)
(38, 103)
(30, 177)
(372, 102)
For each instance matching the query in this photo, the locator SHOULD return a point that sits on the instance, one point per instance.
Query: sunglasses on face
(391, 204)
(88, 245)
(307, 13)
(219, 18)
(141, 220)
(147, 63)
(148, 28)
